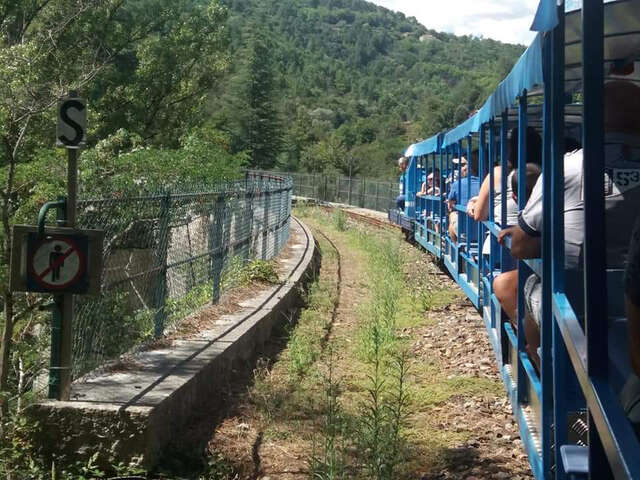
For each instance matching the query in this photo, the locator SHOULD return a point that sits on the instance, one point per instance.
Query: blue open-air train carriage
(571, 421)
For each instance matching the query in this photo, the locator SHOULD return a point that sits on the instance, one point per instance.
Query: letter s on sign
(64, 116)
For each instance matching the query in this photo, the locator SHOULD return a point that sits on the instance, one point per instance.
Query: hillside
(354, 82)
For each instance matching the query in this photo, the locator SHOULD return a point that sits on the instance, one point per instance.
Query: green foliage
(305, 344)
(19, 459)
(145, 67)
(218, 468)
(384, 412)
(374, 78)
(197, 296)
(339, 219)
(309, 338)
(260, 271)
(237, 273)
(121, 166)
(251, 111)
(331, 463)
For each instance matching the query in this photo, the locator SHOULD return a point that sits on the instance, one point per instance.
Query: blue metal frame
(574, 371)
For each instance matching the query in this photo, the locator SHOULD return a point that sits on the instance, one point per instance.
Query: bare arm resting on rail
(480, 208)
(526, 236)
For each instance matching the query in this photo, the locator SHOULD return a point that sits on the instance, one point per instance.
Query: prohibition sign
(57, 263)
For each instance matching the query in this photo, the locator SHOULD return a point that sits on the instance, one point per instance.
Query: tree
(327, 154)
(114, 51)
(251, 110)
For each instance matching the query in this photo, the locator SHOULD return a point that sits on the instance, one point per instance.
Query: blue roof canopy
(546, 17)
(526, 74)
(423, 148)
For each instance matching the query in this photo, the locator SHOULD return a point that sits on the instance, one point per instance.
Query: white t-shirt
(622, 201)
(530, 219)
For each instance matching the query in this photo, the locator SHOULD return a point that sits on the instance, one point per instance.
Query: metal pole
(326, 195)
(217, 260)
(65, 302)
(349, 198)
(521, 391)
(265, 224)
(56, 315)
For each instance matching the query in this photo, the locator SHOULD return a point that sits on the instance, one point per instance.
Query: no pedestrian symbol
(57, 263)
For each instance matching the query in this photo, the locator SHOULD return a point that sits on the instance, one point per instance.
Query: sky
(504, 20)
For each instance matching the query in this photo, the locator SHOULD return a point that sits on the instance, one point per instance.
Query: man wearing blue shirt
(459, 194)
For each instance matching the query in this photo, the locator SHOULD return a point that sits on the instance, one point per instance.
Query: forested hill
(353, 82)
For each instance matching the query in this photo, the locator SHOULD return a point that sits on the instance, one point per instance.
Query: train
(566, 391)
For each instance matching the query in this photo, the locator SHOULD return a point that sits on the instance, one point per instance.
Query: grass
(308, 340)
(237, 273)
(352, 396)
(444, 388)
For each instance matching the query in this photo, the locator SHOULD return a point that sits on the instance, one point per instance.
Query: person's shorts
(630, 399)
(533, 297)
(400, 202)
(632, 273)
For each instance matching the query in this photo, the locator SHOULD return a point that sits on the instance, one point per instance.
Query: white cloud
(504, 20)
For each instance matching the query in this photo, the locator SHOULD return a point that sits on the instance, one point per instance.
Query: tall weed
(339, 219)
(331, 463)
(383, 413)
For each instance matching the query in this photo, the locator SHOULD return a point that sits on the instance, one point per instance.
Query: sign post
(71, 134)
(62, 261)
(72, 116)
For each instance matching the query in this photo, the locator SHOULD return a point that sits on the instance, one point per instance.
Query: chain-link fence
(167, 255)
(358, 192)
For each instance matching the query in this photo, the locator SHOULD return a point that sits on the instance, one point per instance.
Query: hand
(471, 206)
(505, 232)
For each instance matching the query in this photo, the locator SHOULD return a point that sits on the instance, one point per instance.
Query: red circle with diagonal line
(57, 263)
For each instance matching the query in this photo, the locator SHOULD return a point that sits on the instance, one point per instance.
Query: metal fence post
(326, 195)
(364, 192)
(56, 326)
(278, 225)
(391, 195)
(217, 251)
(265, 223)
(349, 196)
(377, 207)
(160, 293)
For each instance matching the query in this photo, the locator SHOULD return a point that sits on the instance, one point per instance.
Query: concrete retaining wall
(134, 415)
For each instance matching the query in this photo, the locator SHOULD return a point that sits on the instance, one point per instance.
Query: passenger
(468, 186)
(402, 165)
(478, 207)
(505, 285)
(428, 188)
(434, 185)
(622, 197)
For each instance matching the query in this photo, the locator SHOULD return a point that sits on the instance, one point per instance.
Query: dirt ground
(460, 425)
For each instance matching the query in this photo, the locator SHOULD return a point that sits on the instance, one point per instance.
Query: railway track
(336, 305)
(361, 218)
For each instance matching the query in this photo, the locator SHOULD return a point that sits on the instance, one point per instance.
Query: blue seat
(575, 460)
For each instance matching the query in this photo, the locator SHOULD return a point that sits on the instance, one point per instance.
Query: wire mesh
(355, 191)
(165, 256)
